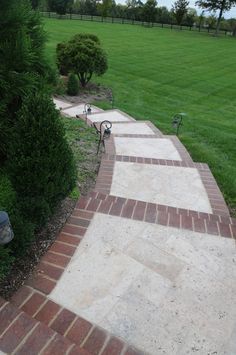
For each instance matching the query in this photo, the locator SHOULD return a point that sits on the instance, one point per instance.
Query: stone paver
(159, 148)
(132, 128)
(60, 105)
(172, 186)
(144, 265)
(111, 115)
(79, 110)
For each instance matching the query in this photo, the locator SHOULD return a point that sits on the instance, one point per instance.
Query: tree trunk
(219, 18)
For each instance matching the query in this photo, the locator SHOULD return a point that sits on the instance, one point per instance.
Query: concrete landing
(172, 186)
(159, 148)
(79, 110)
(164, 290)
(110, 115)
(60, 105)
(132, 128)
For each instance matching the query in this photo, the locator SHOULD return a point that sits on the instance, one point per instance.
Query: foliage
(216, 5)
(72, 85)
(60, 6)
(40, 153)
(22, 61)
(179, 10)
(150, 10)
(23, 230)
(82, 55)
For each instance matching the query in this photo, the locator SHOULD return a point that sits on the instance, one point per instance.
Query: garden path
(146, 264)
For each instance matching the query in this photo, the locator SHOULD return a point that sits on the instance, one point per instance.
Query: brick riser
(21, 334)
(81, 336)
(160, 214)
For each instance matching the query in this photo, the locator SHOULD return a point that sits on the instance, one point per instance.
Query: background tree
(60, 6)
(150, 11)
(180, 9)
(216, 5)
(82, 55)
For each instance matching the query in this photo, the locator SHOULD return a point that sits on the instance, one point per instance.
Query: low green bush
(72, 85)
(23, 230)
(40, 162)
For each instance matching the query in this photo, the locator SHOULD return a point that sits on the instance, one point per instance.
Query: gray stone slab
(111, 115)
(159, 148)
(132, 128)
(173, 186)
(60, 105)
(164, 290)
(79, 110)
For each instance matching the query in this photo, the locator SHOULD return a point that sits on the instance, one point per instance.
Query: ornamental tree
(216, 5)
(180, 8)
(83, 56)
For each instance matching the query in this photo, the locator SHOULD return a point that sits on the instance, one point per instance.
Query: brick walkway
(129, 273)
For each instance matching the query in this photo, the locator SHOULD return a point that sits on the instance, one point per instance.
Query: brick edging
(160, 214)
(84, 334)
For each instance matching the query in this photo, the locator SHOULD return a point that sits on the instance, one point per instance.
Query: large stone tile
(60, 105)
(132, 128)
(79, 110)
(112, 116)
(160, 288)
(159, 148)
(173, 186)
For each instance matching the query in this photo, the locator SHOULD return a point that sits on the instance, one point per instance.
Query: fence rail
(126, 21)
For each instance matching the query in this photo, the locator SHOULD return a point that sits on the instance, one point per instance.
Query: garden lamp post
(177, 121)
(87, 110)
(6, 232)
(104, 132)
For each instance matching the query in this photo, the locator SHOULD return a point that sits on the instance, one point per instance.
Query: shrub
(72, 85)
(82, 55)
(23, 231)
(40, 161)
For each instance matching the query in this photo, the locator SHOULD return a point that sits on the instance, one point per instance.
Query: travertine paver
(159, 148)
(162, 289)
(112, 116)
(61, 104)
(169, 185)
(132, 128)
(79, 110)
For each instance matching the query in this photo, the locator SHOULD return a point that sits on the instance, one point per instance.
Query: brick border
(73, 328)
(217, 202)
(223, 226)
(82, 115)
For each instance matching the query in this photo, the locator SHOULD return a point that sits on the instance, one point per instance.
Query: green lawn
(156, 72)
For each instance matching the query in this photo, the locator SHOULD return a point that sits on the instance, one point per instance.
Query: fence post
(122, 20)
(171, 26)
(49, 14)
(162, 25)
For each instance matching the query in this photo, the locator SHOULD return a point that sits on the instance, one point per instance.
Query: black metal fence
(126, 21)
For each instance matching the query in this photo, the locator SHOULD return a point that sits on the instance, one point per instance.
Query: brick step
(155, 213)
(22, 334)
(81, 336)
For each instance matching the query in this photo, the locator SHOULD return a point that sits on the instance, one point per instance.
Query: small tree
(216, 5)
(82, 55)
(60, 6)
(72, 85)
(150, 11)
(179, 9)
(40, 162)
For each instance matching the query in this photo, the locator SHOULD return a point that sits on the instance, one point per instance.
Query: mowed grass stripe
(156, 72)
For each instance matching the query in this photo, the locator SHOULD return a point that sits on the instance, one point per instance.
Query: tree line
(149, 11)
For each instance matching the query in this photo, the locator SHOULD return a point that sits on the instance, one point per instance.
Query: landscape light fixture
(87, 110)
(6, 232)
(177, 121)
(104, 132)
